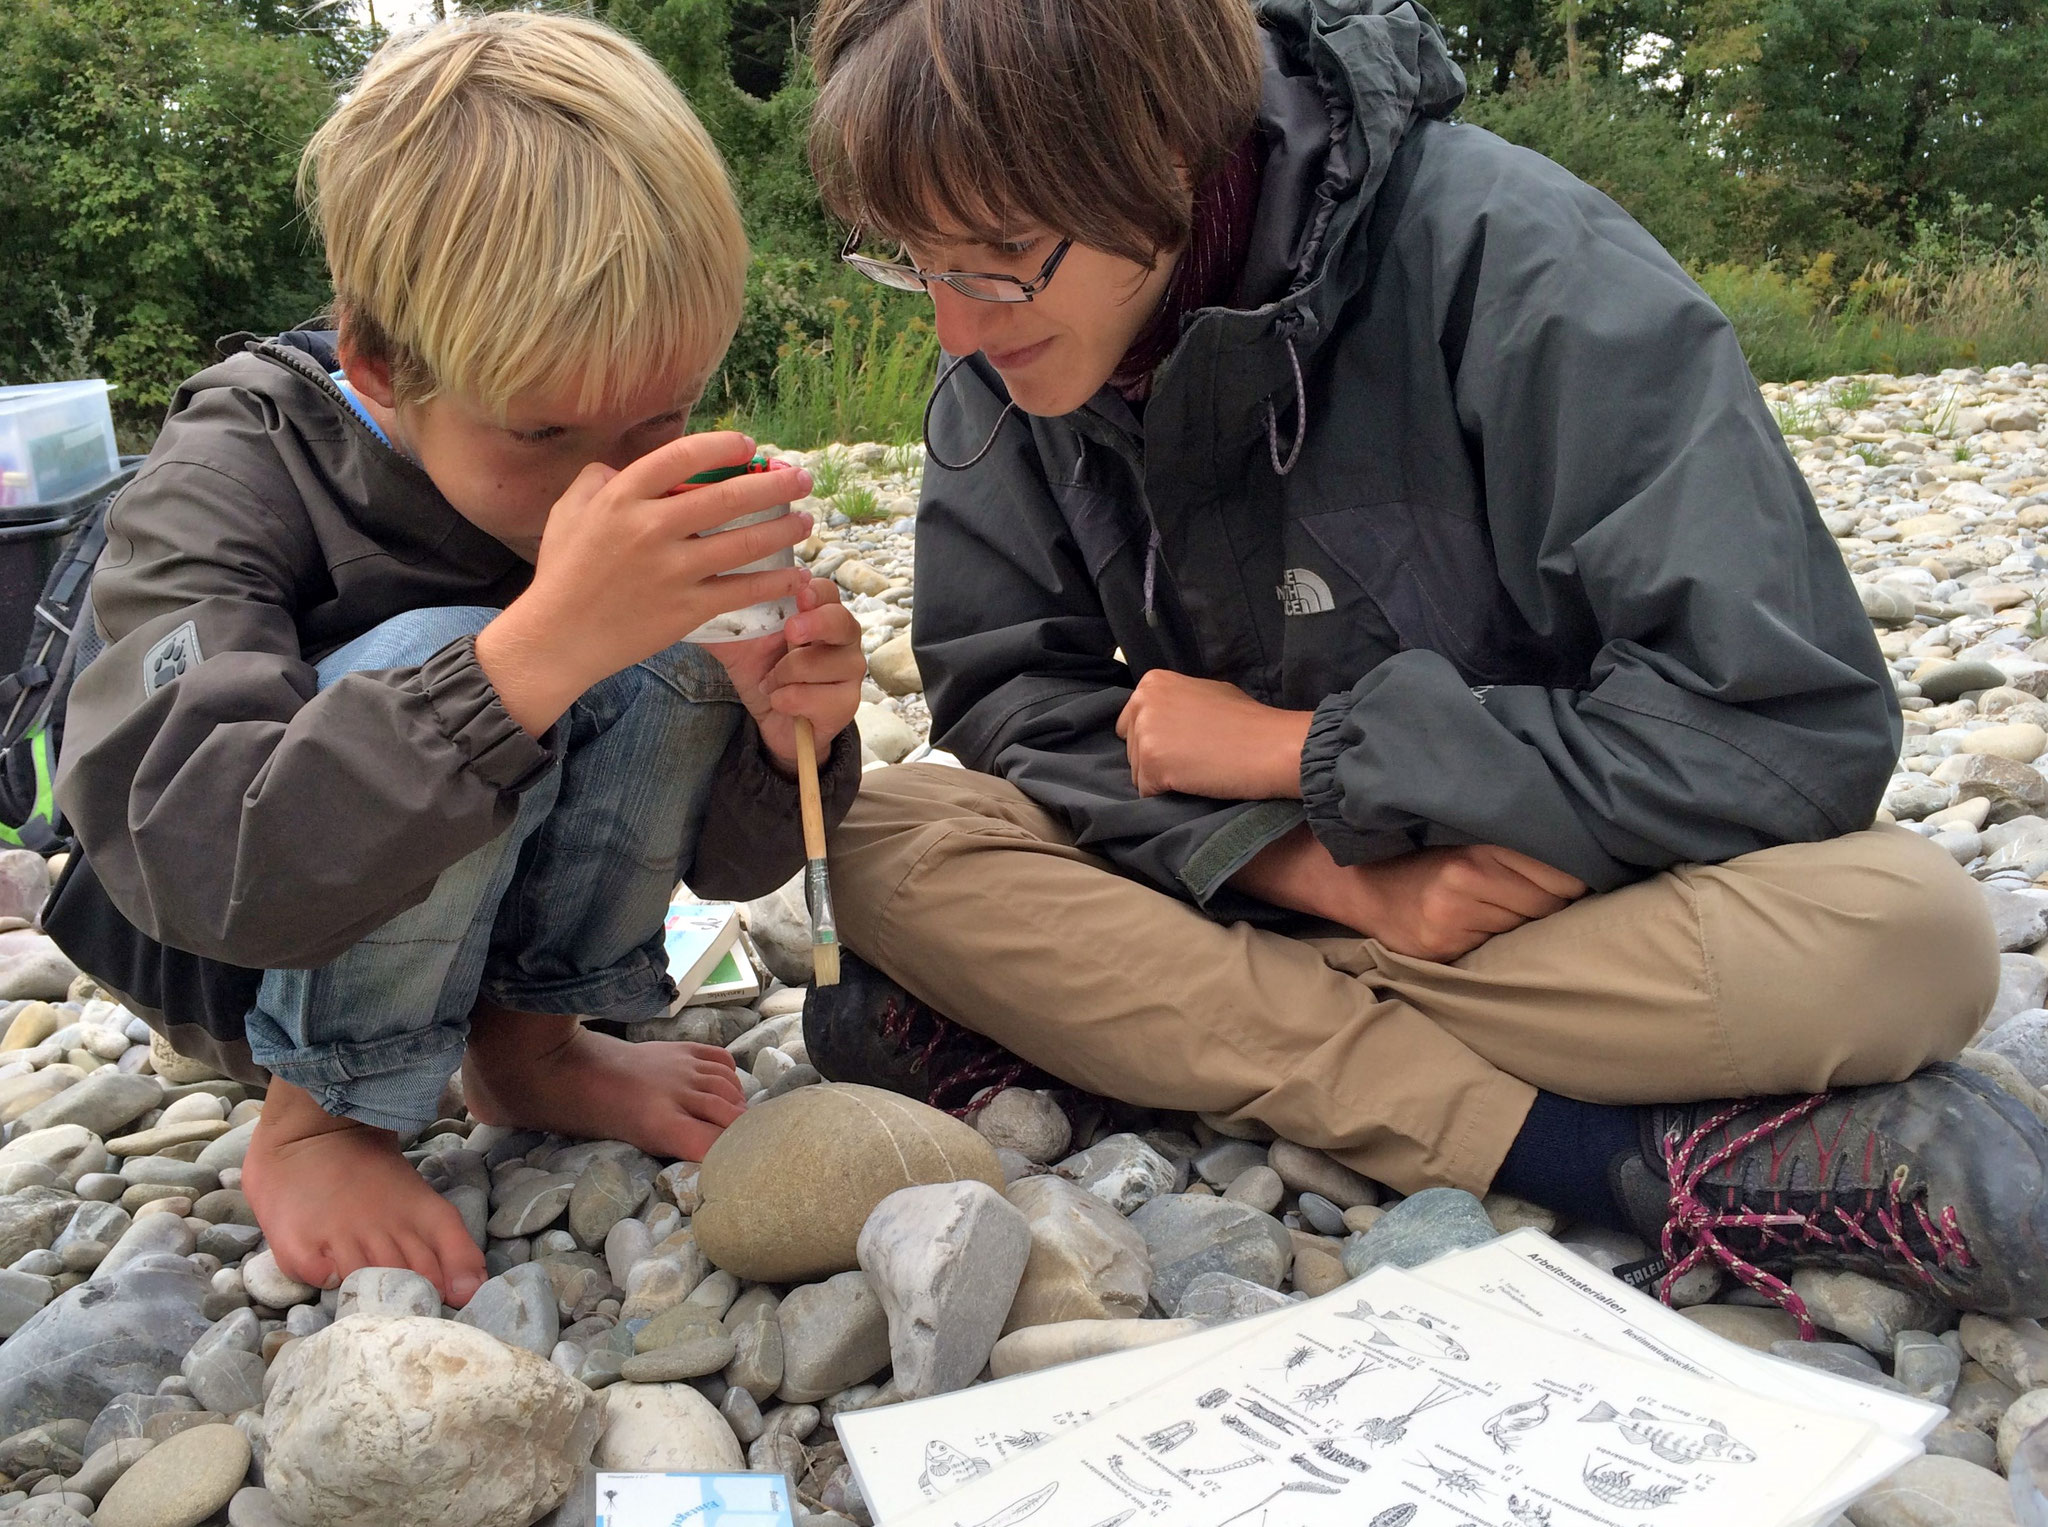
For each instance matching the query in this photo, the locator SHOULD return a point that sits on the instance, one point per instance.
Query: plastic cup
(754, 620)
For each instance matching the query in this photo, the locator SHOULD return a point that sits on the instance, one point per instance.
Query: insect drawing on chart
(1461, 1482)
(1115, 1463)
(1328, 1450)
(1249, 1432)
(1395, 1516)
(1507, 1427)
(1674, 1441)
(1617, 1486)
(1118, 1520)
(1418, 1335)
(946, 1468)
(1020, 1442)
(1293, 1486)
(1202, 1471)
(1213, 1398)
(1271, 1417)
(1167, 1438)
(1300, 1353)
(1018, 1510)
(1301, 1461)
(1316, 1396)
(1382, 1431)
(1528, 1512)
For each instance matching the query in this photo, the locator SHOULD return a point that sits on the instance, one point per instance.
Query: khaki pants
(1791, 970)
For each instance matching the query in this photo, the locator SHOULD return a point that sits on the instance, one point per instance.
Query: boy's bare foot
(333, 1195)
(544, 1071)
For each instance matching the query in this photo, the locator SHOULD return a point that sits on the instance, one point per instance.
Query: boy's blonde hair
(518, 202)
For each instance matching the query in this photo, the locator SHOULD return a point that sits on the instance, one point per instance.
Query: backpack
(61, 642)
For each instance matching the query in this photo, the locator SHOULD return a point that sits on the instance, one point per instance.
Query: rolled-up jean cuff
(392, 1084)
(636, 988)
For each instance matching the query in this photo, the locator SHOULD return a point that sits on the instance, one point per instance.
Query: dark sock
(1563, 1156)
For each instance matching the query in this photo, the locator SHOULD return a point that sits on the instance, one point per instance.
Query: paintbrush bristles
(825, 964)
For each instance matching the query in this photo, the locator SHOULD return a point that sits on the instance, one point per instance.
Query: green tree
(150, 147)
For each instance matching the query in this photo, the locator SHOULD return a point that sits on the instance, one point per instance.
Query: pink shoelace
(1693, 1219)
(996, 1073)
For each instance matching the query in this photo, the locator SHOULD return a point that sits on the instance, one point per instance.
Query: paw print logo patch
(170, 658)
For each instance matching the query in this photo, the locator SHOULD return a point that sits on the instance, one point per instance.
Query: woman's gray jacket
(1476, 473)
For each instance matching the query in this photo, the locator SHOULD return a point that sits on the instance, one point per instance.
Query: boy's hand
(623, 572)
(812, 667)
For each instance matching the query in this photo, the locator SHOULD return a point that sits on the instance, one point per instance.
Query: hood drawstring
(1151, 577)
(1282, 468)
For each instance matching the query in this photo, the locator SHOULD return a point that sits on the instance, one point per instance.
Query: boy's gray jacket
(1543, 567)
(230, 808)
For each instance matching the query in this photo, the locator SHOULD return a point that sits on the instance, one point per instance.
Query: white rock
(1086, 1263)
(1037, 1347)
(664, 1428)
(406, 1422)
(1029, 1123)
(267, 1285)
(945, 1259)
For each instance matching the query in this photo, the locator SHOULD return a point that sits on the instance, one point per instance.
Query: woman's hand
(812, 667)
(1205, 737)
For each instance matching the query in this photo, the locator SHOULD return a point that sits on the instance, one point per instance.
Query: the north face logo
(1303, 592)
(170, 657)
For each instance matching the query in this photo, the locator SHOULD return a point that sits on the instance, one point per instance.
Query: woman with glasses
(1410, 702)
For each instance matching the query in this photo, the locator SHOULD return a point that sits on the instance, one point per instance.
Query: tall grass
(867, 378)
(1949, 299)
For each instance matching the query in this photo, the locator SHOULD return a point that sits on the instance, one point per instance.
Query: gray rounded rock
(101, 1339)
(689, 1359)
(518, 1307)
(1934, 1491)
(386, 1291)
(1187, 1235)
(1419, 1229)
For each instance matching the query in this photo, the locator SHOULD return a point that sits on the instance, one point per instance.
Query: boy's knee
(405, 640)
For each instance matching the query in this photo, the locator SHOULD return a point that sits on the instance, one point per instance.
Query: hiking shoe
(1937, 1184)
(867, 1029)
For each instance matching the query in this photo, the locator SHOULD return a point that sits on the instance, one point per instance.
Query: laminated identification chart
(1386, 1402)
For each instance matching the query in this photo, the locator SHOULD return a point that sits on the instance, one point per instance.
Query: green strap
(46, 791)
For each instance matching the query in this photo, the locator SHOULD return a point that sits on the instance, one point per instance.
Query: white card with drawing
(1391, 1396)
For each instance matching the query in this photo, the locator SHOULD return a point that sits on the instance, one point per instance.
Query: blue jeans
(561, 913)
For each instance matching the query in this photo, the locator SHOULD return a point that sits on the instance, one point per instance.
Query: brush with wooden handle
(817, 882)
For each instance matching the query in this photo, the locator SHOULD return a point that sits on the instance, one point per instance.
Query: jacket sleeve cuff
(1234, 845)
(466, 707)
(1322, 795)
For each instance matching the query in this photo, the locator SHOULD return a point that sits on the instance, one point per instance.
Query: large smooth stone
(101, 1339)
(31, 1219)
(945, 1259)
(180, 1482)
(834, 1334)
(1188, 1235)
(756, 1332)
(2024, 1042)
(2014, 1350)
(104, 1102)
(1933, 1491)
(1037, 1347)
(24, 883)
(1029, 1123)
(1418, 1229)
(398, 1421)
(1310, 1171)
(788, 1186)
(664, 1428)
(518, 1307)
(32, 965)
(68, 1150)
(1086, 1261)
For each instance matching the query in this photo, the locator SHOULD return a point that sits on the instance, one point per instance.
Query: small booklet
(706, 959)
(1512, 1385)
(692, 1500)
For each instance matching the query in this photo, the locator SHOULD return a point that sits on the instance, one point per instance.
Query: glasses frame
(892, 273)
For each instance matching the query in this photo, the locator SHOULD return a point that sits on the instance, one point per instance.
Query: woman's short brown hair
(1089, 118)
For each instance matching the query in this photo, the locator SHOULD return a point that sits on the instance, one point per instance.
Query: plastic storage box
(56, 439)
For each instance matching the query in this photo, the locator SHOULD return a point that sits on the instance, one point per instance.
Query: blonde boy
(393, 752)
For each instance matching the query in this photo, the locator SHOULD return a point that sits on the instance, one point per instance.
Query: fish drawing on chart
(1416, 1334)
(1674, 1441)
(946, 1467)
(1617, 1486)
(1017, 1510)
(1528, 1512)
(1506, 1427)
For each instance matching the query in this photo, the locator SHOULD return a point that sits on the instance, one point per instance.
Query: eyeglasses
(982, 286)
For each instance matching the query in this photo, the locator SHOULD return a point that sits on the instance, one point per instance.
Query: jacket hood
(1344, 81)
